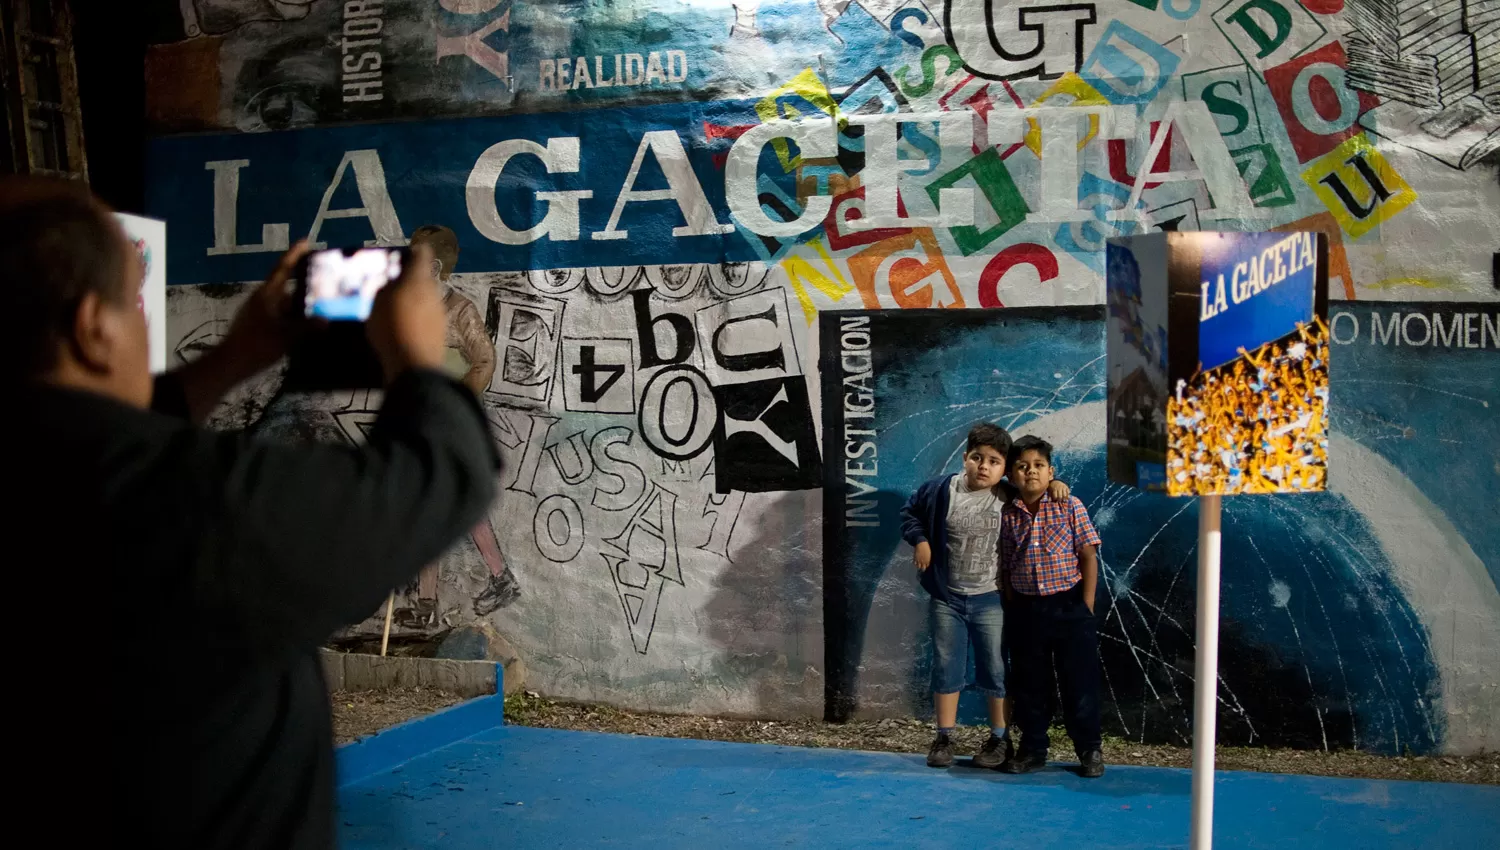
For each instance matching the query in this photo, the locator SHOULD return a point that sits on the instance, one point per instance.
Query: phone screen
(341, 287)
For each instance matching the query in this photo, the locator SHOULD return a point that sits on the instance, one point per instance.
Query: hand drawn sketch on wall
(1437, 67)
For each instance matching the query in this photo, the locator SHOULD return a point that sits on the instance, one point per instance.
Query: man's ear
(93, 335)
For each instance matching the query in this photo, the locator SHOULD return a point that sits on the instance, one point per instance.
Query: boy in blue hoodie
(953, 525)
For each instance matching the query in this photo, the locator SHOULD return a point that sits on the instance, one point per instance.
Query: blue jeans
(957, 624)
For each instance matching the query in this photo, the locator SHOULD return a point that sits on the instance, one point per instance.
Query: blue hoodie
(925, 517)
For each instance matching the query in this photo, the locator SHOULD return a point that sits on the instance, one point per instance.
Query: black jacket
(186, 579)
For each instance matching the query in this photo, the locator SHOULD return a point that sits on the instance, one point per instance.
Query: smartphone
(340, 284)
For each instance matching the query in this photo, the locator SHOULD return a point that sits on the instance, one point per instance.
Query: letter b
(645, 328)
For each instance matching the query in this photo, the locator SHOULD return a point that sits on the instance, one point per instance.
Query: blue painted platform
(460, 780)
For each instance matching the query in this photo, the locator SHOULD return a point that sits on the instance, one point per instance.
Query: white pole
(1206, 673)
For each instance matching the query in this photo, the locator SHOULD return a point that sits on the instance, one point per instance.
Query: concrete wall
(654, 316)
(1362, 617)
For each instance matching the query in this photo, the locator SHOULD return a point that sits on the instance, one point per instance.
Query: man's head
(444, 245)
(984, 456)
(71, 284)
(1030, 462)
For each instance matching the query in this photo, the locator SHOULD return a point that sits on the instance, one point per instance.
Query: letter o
(1307, 112)
(1333, 327)
(1426, 329)
(731, 279)
(1181, 14)
(610, 282)
(558, 551)
(702, 410)
(856, 341)
(675, 282)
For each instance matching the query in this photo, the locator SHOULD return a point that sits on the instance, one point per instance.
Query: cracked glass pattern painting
(1329, 638)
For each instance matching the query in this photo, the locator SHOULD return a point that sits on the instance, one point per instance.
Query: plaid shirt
(1039, 555)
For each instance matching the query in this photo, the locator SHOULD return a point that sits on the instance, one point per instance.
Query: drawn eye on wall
(674, 282)
(199, 340)
(287, 85)
(731, 279)
(278, 107)
(554, 281)
(610, 282)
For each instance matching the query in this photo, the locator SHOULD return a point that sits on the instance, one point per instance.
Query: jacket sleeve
(168, 397)
(913, 530)
(300, 540)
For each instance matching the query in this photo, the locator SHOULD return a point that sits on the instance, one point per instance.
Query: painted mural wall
(1363, 617)
(656, 200)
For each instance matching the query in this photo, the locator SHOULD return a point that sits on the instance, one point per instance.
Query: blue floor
(515, 787)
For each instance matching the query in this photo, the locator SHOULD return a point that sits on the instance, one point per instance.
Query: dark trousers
(1048, 631)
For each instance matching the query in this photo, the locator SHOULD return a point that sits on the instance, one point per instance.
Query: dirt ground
(360, 714)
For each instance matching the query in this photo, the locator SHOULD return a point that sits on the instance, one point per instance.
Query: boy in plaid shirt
(1049, 566)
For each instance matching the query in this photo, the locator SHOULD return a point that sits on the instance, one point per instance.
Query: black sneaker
(995, 752)
(940, 754)
(1091, 764)
(1025, 762)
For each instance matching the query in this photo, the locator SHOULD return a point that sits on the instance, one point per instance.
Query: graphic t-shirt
(973, 538)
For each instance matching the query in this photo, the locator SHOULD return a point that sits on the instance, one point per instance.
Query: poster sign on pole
(148, 241)
(1217, 350)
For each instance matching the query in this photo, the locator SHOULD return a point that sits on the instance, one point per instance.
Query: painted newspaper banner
(1333, 607)
(904, 153)
(1426, 76)
(255, 66)
(1218, 362)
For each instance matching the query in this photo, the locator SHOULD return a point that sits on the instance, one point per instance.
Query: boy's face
(1031, 474)
(983, 467)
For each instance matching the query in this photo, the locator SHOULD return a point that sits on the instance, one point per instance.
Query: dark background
(109, 48)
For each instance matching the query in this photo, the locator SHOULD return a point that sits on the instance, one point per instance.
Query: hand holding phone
(382, 315)
(408, 327)
(340, 285)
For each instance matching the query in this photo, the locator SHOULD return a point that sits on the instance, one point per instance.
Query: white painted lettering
(1406, 329)
(1216, 168)
(374, 197)
(817, 139)
(1383, 335)
(682, 187)
(561, 221)
(1333, 328)
(885, 167)
(273, 237)
(654, 71)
